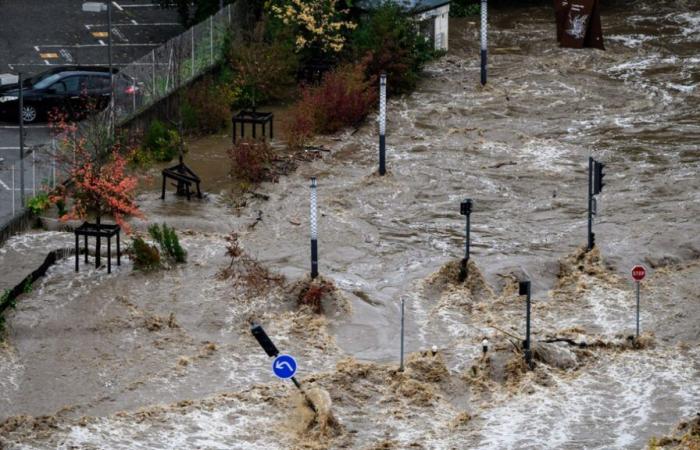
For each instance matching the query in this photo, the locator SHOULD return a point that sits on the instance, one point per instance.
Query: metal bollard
(484, 40)
(314, 230)
(382, 124)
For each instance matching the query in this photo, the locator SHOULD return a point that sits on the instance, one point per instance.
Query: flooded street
(166, 359)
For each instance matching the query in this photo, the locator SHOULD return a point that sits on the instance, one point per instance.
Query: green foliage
(161, 142)
(207, 104)
(39, 203)
(61, 207)
(263, 69)
(389, 41)
(27, 287)
(146, 257)
(5, 299)
(464, 8)
(168, 241)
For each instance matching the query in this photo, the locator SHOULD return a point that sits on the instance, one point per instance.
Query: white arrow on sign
(281, 364)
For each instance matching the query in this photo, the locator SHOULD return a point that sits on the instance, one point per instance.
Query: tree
(194, 11)
(96, 163)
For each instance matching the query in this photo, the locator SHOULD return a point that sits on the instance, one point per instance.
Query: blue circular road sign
(284, 366)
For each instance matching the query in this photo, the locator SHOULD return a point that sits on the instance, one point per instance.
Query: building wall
(441, 19)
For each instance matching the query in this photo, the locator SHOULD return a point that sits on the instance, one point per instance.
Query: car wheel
(29, 113)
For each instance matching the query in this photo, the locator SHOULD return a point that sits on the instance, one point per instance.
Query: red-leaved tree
(98, 183)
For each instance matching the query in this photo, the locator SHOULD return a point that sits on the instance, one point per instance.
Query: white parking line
(47, 63)
(141, 5)
(134, 22)
(9, 148)
(101, 42)
(26, 126)
(36, 47)
(4, 185)
(118, 6)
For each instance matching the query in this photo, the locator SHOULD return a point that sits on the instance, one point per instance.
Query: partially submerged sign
(578, 23)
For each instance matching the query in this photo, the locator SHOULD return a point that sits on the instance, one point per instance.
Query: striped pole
(382, 124)
(484, 40)
(314, 230)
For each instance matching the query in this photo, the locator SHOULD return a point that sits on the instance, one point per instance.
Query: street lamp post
(102, 7)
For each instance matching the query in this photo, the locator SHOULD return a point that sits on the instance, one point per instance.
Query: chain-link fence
(183, 58)
(138, 86)
(22, 180)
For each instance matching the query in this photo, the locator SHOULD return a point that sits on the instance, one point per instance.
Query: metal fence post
(153, 75)
(33, 173)
(13, 190)
(21, 140)
(192, 45)
(211, 40)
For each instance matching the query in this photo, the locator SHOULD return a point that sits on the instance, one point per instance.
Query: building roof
(416, 6)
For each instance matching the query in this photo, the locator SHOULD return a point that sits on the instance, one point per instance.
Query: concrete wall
(440, 18)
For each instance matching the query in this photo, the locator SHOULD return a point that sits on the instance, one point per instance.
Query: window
(98, 84)
(73, 84)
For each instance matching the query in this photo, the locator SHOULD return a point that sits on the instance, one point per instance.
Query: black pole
(524, 289)
(591, 236)
(528, 346)
(466, 210)
(382, 154)
(21, 139)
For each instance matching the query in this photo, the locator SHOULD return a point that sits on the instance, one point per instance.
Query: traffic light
(598, 175)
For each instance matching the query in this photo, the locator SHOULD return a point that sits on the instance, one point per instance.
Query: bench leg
(119, 251)
(272, 134)
(77, 253)
(109, 255)
(162, 195)
(86, 250)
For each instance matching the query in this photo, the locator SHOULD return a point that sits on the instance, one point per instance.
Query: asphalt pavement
(38, 34)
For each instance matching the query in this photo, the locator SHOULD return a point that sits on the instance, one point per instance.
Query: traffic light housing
(598, 174)
(523, 287)
(465, 208)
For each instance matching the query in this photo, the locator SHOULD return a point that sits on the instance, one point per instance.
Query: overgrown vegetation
(245, 271)
(161, 142)
(207, 105)
(145, 256)
(464, 8)
(168, 241)
(389, 41)
(39, 203)
(251, 160)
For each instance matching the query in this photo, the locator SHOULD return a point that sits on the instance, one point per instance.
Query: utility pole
(595, 187)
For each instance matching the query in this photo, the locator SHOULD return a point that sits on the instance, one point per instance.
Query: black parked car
(66, 89)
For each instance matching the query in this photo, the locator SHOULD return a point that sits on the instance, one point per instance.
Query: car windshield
(46, 82)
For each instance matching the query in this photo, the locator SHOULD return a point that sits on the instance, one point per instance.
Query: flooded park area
(166, 359)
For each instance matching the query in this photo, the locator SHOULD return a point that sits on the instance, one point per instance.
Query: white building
(433, 17)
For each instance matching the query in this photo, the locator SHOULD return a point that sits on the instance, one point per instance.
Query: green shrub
(161, 142)
(390, 41)
(464, 8)
(61, 207)
(39, 203)
(207, 105)
(146, 257)
(251, 160)
(168, 241)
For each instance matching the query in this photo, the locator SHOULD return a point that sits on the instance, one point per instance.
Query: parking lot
(37, 34)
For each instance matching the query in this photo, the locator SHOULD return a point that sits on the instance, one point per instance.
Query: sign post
(524, 289)
(465, 209)
(382, 123)
(638, 274)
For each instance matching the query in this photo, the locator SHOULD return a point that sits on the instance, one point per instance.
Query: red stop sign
(638, 273)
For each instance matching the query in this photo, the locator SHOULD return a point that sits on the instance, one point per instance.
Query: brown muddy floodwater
(82, 347)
